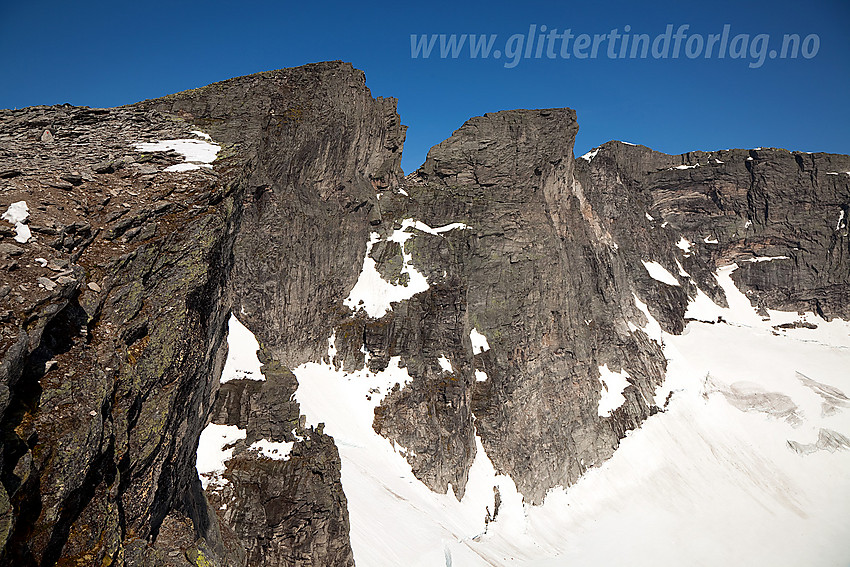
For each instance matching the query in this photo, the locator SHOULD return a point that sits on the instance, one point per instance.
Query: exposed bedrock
(114, 312)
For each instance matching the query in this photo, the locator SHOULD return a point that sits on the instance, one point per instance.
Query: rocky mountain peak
(506, 301)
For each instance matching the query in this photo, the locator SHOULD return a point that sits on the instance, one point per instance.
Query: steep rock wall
(114, 315)
(111, 360)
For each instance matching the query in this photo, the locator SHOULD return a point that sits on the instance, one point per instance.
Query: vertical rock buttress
(113, 316)
(109, 376)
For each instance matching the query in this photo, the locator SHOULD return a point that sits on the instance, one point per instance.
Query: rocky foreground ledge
(130, 235)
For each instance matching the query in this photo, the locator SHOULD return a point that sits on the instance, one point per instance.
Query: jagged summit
(499, 320)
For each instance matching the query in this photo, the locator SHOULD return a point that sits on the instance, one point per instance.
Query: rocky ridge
(114, 314)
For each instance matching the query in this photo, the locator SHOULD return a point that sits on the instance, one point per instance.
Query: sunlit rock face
(235, 334)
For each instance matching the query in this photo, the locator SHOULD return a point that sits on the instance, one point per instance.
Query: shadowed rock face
(318, 147)
(537, 274)
(110, 371)
(112, 345)
(765, 202)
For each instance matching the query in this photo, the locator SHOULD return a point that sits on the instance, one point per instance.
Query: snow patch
(479, 342)
(841, 223)
(741, 313)
(445, 364)
(480, 376)
(702, 308)
(332, 348)
(613, 386)
(652, 327)
(22, 233)
(215, 447)
(186, 166)
(196, 153)
(758, 259)
(17, 214)
(710, 240)
(419, 225)
(242, 361)
(590, 155)
(660, 273)
(376, 295)
(273, 450)
(684, 244)
(740, 310)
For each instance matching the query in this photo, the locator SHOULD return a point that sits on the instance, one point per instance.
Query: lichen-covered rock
(118, 276)
(538, 274)
(113, 338)
(106, 390)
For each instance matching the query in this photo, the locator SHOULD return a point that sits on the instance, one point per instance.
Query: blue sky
(107, 54)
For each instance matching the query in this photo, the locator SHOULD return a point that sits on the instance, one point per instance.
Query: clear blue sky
(107, 54)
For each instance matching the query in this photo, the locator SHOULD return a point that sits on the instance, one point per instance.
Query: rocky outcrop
(113, 333)
(537, 273)
(748, 206)
(288, 512)
(113, 314)
(113, 343)
(553, 267)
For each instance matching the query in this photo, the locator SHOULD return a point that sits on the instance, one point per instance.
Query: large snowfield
(747, 464)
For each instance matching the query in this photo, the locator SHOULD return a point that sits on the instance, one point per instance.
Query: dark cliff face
(734, 205)
(110, 368)
(112, 335)
(319, 148)
(538, 275)
(112, 350)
